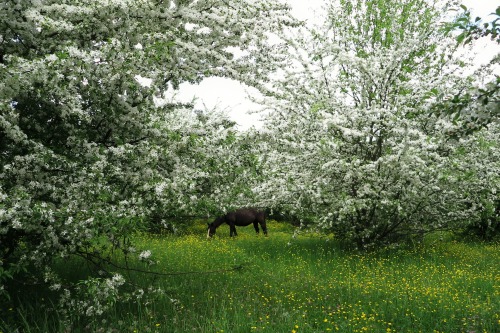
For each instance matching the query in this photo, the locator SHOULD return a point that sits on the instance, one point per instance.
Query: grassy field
(303, 284)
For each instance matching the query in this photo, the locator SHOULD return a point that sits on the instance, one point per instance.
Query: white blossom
(145, 255)
(86, 153)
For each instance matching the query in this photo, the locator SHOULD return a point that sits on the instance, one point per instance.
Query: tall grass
(302, 284)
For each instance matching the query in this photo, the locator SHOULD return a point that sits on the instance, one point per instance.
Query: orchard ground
(282, 283)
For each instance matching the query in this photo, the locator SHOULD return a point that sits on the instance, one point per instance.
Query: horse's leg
(261, 219)
(256, 226)
(232, 229)
(264, 227)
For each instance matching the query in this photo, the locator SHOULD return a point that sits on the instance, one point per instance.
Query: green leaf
(461, 37)
(62, 55)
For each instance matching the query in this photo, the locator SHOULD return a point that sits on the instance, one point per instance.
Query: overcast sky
(232, 96)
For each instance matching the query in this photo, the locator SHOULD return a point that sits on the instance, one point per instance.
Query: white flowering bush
(355, 147)
(94, 296)
(87, 155)
(220, 169)
(477, 106)
(477, 157)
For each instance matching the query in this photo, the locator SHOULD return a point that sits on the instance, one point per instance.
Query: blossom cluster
(355, 147)
(87, 155)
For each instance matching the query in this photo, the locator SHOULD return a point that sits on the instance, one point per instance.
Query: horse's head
(211, 230)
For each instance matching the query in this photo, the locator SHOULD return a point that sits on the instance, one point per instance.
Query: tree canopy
(369, 134)
(86, 153)
(358, 149)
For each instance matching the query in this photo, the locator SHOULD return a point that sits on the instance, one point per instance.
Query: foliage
(354, 146)
(478, 107)
(475, 28)
(94, 146)
(479, 159)
(87, 154)
(479, 104)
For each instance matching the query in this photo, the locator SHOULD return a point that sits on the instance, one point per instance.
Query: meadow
(281, 283)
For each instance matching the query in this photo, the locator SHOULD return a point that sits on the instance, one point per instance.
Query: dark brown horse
(241, 217)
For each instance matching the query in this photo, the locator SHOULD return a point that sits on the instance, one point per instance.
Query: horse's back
(246, 216)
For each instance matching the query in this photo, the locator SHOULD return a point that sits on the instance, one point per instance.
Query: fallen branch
(98, 261)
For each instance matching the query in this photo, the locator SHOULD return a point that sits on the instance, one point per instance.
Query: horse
(240, 217)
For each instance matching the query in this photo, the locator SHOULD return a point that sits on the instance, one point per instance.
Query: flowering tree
(477, 156)
(220, 168)
(479, 105)
(85, 153)
(359, 152)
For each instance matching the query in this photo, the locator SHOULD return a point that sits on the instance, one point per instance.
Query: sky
(231, 96)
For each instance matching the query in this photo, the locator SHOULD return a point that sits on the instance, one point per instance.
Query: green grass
(306, 284)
